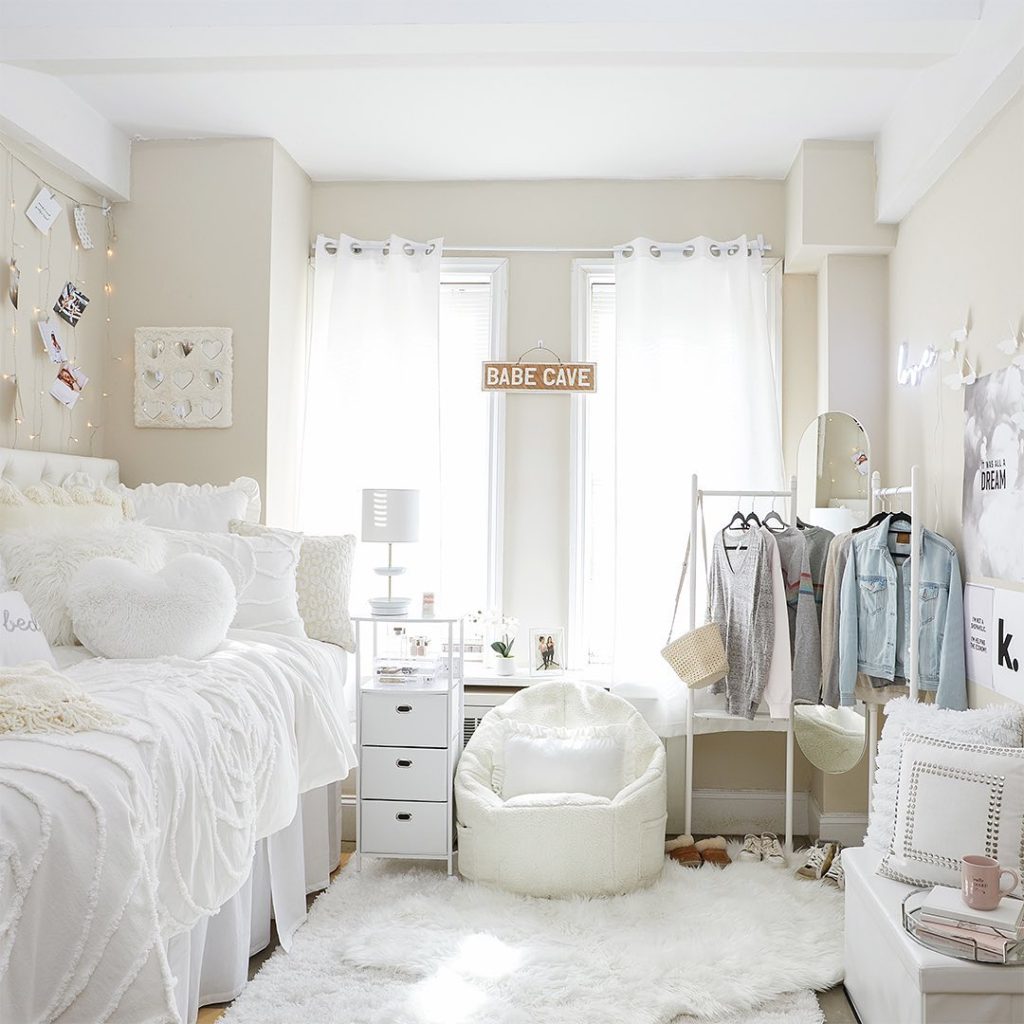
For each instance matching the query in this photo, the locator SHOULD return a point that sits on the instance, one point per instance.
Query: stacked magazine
(945, 915)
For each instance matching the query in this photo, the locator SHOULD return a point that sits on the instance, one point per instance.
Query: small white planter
(505, 666)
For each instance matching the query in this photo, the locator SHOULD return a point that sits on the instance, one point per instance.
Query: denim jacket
(874, 619)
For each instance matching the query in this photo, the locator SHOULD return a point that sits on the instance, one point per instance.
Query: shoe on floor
(682, 851)
(836, 875)
(752, 850)
(713, 851)
(818, 860)
(771, 850)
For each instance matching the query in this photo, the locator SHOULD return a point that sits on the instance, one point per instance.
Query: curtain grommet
(655, 252)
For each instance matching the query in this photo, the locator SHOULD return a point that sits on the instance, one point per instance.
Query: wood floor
(834, 1003)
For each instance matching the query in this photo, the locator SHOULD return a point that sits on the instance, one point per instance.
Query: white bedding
(112, 842)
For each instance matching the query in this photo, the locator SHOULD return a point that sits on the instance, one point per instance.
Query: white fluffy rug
(394, 945)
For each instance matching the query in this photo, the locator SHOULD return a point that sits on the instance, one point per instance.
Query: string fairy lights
(24, 313)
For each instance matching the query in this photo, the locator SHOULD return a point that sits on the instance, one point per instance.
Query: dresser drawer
(404, 773)
(405, 720)
(400, 826)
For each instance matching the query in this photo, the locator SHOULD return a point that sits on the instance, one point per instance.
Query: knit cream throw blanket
(35, 697)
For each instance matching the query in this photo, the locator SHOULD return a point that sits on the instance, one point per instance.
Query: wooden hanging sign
(549, 378)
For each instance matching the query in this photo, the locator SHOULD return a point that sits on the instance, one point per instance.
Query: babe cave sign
(547, 378)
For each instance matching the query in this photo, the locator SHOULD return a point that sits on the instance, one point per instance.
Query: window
(592, 545)
(471, 330)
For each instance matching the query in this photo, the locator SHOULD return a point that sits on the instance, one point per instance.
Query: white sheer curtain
(695, 393)
(372, 396)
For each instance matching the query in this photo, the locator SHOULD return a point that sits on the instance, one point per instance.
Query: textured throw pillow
(323, 580)
(1001, 725)
(21, 638)
(42, 565)
(262, 569)
(202, 507)
(121, 611)
(953, 799)
(47, 507)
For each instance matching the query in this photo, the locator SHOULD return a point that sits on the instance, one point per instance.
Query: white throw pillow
(121, 611)
(41, 566)
(203, 507)
(21, 638)
(47, 507)
(1000, 725)
(323, 580)
(566, 763)
(262, 569)
(954, 799)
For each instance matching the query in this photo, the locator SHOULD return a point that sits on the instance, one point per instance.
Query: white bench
(891, 979)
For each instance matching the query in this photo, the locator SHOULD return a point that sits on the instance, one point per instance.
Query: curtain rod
(757, 244)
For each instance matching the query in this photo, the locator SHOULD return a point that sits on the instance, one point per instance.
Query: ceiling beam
(947, 106)
(47, 117)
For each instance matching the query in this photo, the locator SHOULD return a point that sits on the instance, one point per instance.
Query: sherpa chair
(540, 842)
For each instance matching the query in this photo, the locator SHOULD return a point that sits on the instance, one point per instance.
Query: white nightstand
(410, 739)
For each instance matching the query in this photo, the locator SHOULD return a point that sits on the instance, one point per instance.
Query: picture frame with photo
(547, 651)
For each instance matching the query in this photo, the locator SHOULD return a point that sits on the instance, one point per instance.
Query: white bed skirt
(210, 963)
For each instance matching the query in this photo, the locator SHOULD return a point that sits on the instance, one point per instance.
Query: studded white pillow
(954, 799)
(323, 579)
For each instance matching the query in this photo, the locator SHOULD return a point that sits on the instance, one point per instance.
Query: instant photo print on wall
(183, 377)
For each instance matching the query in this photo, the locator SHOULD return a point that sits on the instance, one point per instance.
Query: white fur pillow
(42, 565)
(1000, 725)
(122, 611)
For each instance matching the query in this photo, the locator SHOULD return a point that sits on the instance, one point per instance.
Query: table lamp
(391, 516)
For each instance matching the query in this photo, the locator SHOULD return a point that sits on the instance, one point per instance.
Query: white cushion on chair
(562, 762)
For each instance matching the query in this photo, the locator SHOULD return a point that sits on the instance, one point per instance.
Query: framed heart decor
(183, 377)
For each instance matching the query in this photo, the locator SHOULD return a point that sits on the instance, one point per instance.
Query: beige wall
(286, 363)
(194, 251)
(959, 253)
(592, 215)
(21, 351)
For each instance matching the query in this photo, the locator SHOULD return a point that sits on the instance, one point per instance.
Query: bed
(141, 866)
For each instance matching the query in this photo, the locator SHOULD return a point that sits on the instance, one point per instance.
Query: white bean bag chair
(519, 831)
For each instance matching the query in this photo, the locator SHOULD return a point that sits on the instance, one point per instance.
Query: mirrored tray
(962, 949)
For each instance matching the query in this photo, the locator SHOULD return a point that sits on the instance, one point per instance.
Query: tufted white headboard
(24, 468)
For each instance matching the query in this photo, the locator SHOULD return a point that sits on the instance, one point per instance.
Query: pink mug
(981, 879)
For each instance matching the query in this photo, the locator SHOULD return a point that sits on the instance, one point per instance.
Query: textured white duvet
(111, 842)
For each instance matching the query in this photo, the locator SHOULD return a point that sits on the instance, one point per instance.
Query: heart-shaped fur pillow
(121, 611)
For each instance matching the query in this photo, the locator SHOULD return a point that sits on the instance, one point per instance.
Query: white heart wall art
(183, 377)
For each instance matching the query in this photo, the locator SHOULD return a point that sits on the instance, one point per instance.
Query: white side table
(410, 739)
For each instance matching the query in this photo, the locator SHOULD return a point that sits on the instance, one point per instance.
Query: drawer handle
(403, 709)
(403, 816)
(403, 762)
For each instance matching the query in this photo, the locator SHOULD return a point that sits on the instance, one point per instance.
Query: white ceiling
(466, 89)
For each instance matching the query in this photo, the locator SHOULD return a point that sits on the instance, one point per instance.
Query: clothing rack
(878, 492)
(719, 720)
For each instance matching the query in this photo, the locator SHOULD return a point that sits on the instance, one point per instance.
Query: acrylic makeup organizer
(878, 494)
(716, 720)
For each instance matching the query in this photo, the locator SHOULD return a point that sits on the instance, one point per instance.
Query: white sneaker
(752, 850)
(818, 859)
(835, 874)
(771, 850)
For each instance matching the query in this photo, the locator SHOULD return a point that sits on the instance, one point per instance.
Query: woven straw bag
(697, 657)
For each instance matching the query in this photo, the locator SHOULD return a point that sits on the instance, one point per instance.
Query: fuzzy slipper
(682, 851)
(713, 851)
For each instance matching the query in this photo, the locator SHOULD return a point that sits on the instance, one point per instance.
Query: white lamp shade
(391, 515)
